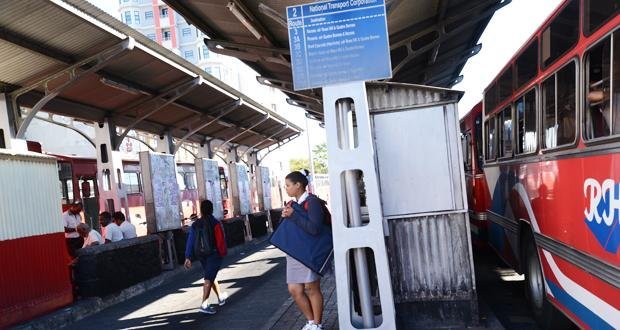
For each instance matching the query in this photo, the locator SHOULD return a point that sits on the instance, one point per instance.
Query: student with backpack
(206, 244)
(310, 214)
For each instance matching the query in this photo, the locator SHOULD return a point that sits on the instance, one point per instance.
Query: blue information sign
(338, 41)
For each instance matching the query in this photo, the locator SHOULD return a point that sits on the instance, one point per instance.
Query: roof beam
(35, 46)
(74, 73)
(287, 87)
(224, 109)
(161, 101)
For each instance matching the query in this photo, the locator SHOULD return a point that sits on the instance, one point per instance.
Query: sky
(507, 31)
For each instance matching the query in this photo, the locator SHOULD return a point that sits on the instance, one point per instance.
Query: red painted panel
(34, 277)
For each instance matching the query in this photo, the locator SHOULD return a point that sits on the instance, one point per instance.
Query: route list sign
(338, 41)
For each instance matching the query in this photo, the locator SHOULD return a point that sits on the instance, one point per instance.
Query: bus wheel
(546, 315)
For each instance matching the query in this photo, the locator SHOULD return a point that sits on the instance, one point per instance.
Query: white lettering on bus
(596, 192)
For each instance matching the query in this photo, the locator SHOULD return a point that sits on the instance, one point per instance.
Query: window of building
(166, 35)
(559, 107)
(148, 16)
(491, 134)
(163, 12)
(188, 54)
(136, 16)
(127, 17)
(599, 120)
(132, 182)
(152, 36)
(214, 71)
(205, 52)
(561, 35)
(597, 13)
(526, 122)
(186, 32)
(526, 65)
(505, 128)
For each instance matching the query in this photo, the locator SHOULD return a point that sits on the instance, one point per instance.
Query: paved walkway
(255, 282)
(289, 316)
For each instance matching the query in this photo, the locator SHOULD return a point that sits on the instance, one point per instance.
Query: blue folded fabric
(314, 251)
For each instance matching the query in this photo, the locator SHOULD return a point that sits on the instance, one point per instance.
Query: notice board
(161, 192)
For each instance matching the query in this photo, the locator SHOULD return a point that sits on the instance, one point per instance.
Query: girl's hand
(287, 212)
(187, 264)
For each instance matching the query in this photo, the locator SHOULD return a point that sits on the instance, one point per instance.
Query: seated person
(598, 102)
(127, 228)
(111, 231)
(91, 237)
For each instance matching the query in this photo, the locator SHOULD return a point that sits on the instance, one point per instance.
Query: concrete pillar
(7, 126)
(165, 145)
(112, 193)
(231, 162)
(232, 159)
(256, 197)
(204, 151)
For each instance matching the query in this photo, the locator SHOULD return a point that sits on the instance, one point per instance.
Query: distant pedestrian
(71, 219)
(127, 228)
(91, 237)
(206, 244)
(304, 285)
(110, 230)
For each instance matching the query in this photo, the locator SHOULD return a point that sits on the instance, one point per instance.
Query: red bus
(478, 197)
(78, 179)
(551, 136)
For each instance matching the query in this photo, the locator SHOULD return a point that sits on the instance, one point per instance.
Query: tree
(298, 164)
(319, 155)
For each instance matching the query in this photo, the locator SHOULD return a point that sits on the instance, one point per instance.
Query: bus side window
(491, 138)
(559, 107)
(505, 136)
(598, 117)
(526, 122)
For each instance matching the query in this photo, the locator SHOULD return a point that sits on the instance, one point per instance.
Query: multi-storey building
(154, 19)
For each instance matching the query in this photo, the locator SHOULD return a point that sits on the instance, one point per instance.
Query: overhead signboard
(338, 41)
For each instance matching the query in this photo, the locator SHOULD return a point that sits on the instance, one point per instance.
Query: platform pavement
(255, 279)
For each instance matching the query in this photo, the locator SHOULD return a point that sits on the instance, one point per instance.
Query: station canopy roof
(90, 66)
(430, 40)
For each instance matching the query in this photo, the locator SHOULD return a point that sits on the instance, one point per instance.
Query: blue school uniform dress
(305, 239)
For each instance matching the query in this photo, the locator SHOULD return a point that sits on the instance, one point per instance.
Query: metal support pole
(350, 150)
(355, 218)
(310, 158)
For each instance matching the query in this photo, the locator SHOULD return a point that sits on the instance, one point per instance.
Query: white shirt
(93, 237)
(302, 198)
(128, 230)
(71, 221)
(112, 232)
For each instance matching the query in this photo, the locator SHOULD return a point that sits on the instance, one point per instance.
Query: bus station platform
(254, 276)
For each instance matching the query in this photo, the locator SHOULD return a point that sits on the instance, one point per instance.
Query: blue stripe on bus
(581, 311)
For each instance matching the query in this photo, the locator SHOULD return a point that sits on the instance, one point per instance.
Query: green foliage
(319, 155)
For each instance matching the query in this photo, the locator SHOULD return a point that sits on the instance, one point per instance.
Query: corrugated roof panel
(19, 66)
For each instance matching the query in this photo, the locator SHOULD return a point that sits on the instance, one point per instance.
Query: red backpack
(327, 217)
